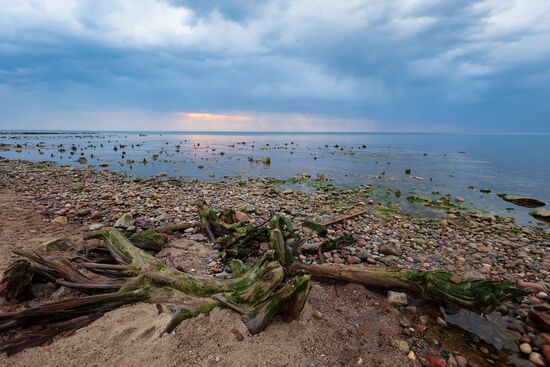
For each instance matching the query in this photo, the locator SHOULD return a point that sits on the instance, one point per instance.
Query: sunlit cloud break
(240, 121)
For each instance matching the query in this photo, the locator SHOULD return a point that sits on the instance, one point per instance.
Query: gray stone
(58, 244)
(197, 237)
(309, 248)
(95, 226)
(471, 276)
(60, 220)
(397, 298)
(125, 221)
(363, 254)
(390, 248)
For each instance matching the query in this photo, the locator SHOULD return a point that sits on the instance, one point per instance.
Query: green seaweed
(333, 244)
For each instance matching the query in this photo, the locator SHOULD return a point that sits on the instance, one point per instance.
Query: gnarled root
(259, 294)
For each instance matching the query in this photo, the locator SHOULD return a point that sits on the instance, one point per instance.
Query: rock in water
(541, 214)
(60, 220)
(125, 221)
(58, 244)
(523, 201)
(397, 298)
(390, 248)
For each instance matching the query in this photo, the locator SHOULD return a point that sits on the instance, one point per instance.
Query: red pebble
(546, 352)
(434, 361)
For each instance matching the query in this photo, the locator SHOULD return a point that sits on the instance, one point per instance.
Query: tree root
(259, 294)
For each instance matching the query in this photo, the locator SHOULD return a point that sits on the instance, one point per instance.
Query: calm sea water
(447, 163)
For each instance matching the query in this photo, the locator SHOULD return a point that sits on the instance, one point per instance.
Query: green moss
(148, 240)
(516, 230)
(475, 295)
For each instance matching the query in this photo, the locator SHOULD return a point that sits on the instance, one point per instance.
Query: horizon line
(86, 131)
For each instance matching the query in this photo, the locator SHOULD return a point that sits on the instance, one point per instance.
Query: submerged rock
(523, 201)
(541, 214)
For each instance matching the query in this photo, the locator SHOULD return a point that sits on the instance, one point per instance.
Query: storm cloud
(367, 65)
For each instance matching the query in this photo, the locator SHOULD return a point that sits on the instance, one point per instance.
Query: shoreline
(457, 239)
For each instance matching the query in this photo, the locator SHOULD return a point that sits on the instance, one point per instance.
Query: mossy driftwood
(258, 294)
(276, 285)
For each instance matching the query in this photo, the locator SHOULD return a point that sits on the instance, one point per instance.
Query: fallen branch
(178, 227)
(342, 218)
(436, 283)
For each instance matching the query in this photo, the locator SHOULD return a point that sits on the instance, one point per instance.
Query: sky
(276, 65)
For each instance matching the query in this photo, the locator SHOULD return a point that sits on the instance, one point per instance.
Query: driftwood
(342, 218)
(276, 285)
(178, 227)
(260, 293)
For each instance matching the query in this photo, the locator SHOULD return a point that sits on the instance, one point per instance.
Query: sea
(413, 163)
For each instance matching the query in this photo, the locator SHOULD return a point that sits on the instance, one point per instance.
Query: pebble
(537, 359)
(58, 244)
(397, 298)
(471, 276)
(462, 362)
(125, 221)
(96, 214)
(402, 345)
(434, 361)
(390, 248)
(317, 314)
(95, 226)
(60, 220)
(525, 348)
